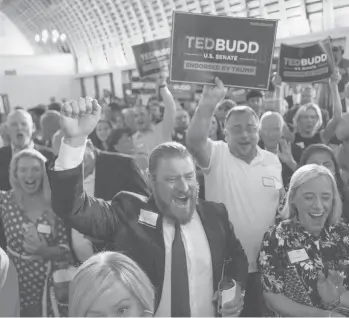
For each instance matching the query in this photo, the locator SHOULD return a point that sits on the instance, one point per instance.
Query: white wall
(38, 78)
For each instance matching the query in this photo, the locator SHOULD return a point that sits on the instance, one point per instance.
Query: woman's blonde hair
(302, 110)
(99, 273)
(303, 175)
(18, 191)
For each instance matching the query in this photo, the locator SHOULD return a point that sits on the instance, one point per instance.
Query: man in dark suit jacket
(150, 229)
(20, 128)
(105, 175)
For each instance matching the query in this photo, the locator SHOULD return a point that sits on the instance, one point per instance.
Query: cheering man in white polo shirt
(239, 174)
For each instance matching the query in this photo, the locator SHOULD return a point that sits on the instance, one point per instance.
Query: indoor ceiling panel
(101, 32)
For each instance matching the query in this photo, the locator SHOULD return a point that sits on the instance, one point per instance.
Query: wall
(38, 78)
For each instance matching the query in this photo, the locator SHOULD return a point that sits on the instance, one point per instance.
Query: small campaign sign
(306, 64)
(152, 56)
(237, 50)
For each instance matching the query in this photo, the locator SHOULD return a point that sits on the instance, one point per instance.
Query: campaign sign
(237, 50)
(306, 64)
(152, 56)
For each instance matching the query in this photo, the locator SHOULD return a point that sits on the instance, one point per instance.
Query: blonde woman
(36, 238)
(308, 120)
(308, 245)
(110, 284)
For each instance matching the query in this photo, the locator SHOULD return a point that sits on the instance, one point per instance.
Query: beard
(171, 210)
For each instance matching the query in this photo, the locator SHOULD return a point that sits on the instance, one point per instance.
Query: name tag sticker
(297, 256)
(268, 182)
(44, 229)
(148, 218)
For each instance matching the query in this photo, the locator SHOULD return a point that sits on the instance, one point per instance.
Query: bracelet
(162, 86)
(332, 305)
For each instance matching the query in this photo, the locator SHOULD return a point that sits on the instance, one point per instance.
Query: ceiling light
(37, 38)
(63, 37)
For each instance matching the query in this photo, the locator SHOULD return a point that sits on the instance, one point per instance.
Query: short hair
(19, 111)
(254, 94)
(38, 110)
(302, 110)
(45, 187)
(99, 273)
(271, 113)
(166, 150)
(116, 135)
(226, 102)
(55, 106)
(50, 124)
(238, 110)
(309, 151)
(303, 175)
(115, 107)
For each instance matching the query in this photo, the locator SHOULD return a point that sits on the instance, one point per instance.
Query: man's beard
(169, 211)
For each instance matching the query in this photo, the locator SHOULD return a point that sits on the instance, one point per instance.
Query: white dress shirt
(199, 265)
(82, 246)
(197, 249)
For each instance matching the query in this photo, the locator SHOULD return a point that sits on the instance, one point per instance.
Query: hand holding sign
(277, 80)
(335, 77)
(212, 95)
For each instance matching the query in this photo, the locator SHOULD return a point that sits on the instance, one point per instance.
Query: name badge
(297, 256)
(44, 229)
(268, 182)
(148, 218)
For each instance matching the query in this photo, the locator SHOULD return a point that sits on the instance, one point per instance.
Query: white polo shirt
(250, 193)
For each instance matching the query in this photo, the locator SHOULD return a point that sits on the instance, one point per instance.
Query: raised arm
(197, 139)
(167, 123)
(329, 132)
(90, 216)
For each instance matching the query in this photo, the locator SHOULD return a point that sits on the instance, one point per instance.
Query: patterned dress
(33, 273)
(279, 274)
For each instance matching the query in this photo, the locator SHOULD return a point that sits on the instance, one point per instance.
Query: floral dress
(33, 273)
(282, 270)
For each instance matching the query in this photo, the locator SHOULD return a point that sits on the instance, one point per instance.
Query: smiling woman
(37, 241)
(299, 252)
(110, 284)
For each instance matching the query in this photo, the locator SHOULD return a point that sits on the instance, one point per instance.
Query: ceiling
(100, 33)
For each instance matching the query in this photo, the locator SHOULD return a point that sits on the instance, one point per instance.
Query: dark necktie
(180, 300)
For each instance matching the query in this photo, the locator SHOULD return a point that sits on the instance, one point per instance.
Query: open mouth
(30, 184)
(244, 144)
(181, 201)
(20, 136)
(316, 216)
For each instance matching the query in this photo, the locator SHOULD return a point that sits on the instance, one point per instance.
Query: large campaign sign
(152, 56)
(306, 63)
(237, 50)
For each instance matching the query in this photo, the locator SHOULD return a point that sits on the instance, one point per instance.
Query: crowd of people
(109, 209)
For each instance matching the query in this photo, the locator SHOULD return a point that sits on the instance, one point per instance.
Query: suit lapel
(158, 248)
(214, 233)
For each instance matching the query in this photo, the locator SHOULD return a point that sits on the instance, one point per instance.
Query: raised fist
(79, 117)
